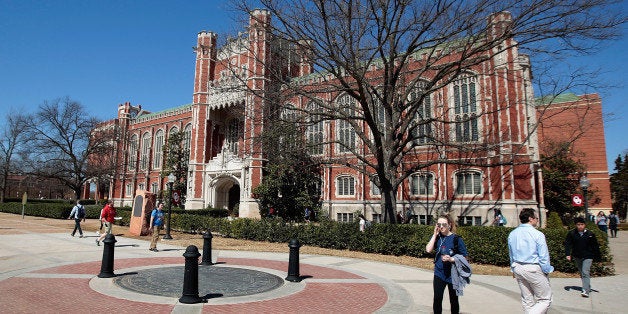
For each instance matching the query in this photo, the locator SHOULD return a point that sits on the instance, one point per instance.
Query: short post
(207, 248)
(190, 277)
(293, 262)
(106, 267)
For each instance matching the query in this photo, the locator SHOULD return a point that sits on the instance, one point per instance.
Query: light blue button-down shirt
(527, 245)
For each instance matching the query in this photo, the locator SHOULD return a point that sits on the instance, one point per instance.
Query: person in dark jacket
(581, 246)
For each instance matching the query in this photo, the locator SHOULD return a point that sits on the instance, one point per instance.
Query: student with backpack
(78, 213)
(448, 247)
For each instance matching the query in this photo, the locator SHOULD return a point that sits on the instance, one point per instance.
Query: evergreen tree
(176, 162)
(561, 174)
(291, 179)
(619, 186)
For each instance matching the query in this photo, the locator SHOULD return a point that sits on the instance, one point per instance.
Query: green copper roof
(169, 110)
(556, 99)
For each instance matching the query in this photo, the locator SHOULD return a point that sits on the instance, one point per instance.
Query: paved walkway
(43, 269)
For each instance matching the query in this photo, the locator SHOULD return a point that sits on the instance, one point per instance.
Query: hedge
(486, 245)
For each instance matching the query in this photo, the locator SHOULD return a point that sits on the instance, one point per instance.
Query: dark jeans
(613, 231)
(439, 291)
(77, 225)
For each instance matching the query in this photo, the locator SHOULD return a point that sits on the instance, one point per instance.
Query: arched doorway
(226, 193)
(234, 197)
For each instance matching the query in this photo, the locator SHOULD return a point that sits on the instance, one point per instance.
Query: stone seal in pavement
(212, 281)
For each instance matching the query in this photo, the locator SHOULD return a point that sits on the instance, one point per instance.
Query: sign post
(24, 198)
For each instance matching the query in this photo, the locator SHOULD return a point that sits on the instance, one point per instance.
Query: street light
(171, 179)
(584, 184)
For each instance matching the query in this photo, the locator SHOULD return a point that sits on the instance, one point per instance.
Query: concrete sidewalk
(43, 269)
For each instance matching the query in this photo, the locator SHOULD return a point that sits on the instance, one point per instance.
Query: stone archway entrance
(227, 194)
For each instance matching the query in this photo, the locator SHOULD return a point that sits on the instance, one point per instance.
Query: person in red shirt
(107, 216)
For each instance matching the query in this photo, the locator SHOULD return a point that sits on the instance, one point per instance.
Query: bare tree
(12, 140)
(389, 57)
(62, 145)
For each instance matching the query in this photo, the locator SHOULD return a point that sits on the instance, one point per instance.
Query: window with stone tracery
(158, 151)
(132, 158)
(314, 133)
(345, 133)
(145, 151)
(233, 136)
(422, 132)
(187, 137)
(465, 109)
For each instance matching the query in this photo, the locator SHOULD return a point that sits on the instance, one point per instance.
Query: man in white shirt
(530, 263)
(78, 213)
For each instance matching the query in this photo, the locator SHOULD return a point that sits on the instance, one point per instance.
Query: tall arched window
(174, 130)
(345, 133)
(422, 132)
(314, 131)
(145, 151)
(289, 138)
(132, 158)
(381, 119)
(466, 109)
(187, 138)
(233, 135)
(158, 151)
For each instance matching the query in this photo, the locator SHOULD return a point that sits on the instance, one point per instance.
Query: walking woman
(602, 221)
(446, 245)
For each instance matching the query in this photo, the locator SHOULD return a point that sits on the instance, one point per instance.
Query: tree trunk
(388, 201)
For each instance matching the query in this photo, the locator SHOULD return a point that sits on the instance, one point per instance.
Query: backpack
(367, 223)
(81, 212)
(504, 219)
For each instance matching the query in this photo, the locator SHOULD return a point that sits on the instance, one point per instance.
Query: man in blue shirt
(530, 263)
(156, 223)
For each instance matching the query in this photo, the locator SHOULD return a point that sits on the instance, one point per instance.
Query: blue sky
(103, 53)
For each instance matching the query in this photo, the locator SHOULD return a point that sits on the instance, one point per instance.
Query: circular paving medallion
(212, 281)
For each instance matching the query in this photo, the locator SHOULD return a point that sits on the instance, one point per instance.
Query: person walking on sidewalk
(107, 204)
(107, 217)
(156, 223)
(602, 221)
(78, 213)
(613, 221)
(530, 263)
(447, 245)
(581, 247)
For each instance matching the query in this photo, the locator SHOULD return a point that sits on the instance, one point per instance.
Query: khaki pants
(155, 238)
(536, 293)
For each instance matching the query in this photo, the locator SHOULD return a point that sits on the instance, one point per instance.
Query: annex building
(222, 124)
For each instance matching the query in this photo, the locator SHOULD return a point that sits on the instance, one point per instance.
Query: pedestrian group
(527, 248)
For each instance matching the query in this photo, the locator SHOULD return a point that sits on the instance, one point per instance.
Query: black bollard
(293, 262)
(190, 277)
(106, 268)
(207, 248)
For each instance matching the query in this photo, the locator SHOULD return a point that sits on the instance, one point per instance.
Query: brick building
(226, 161)
(578, 119)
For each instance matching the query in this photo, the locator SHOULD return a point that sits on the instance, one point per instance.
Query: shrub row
(486, 245)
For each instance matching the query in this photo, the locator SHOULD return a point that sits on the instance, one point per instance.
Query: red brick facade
(226, 159)
(579, 119)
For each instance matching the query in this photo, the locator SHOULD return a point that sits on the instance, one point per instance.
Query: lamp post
(171, 179)
(584, 184)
